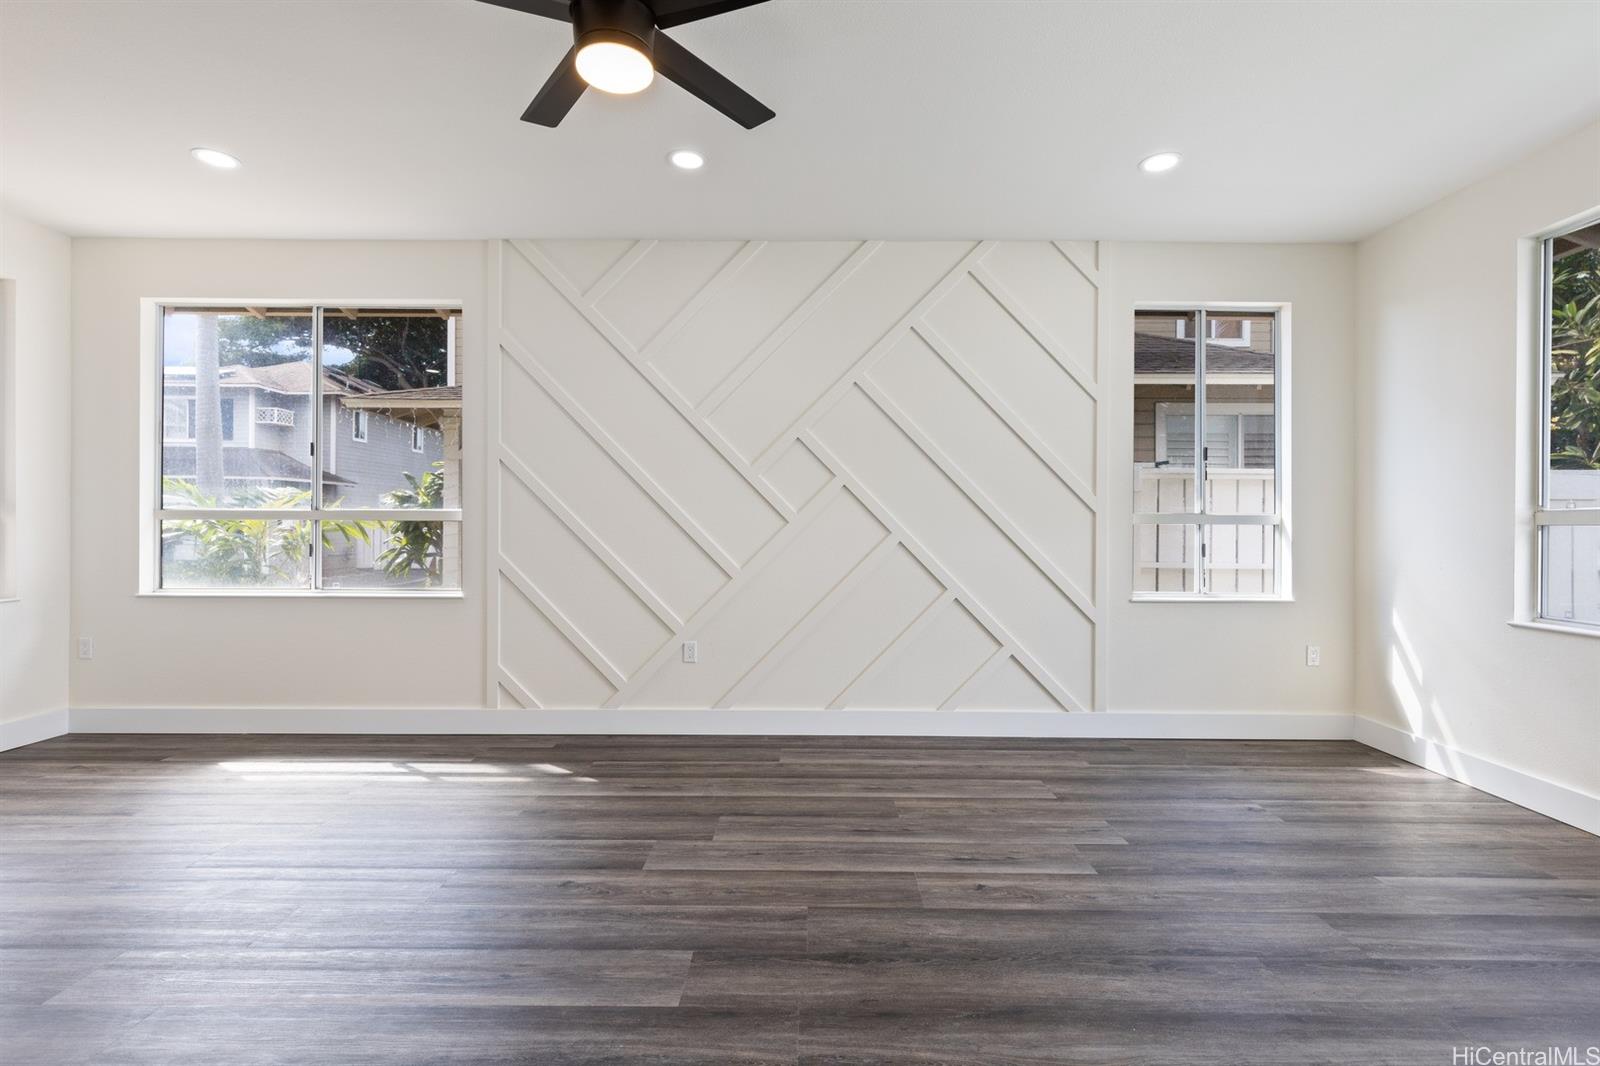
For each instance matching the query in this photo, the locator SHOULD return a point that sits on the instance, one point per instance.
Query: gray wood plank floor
(343, 900)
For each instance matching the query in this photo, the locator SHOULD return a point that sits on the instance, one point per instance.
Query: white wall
(1245, 656)
(974, 403)
(152, 651)
(1440, 382)
(34, 627)
(860, 475)
(647, 400)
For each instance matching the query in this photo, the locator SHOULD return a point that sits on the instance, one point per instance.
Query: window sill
(298, 594)
(10, 599)
(1159, 598)
(1556, 627)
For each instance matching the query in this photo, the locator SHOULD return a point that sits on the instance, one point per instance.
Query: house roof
(438, 397)
(425, 407)
(288, 379)
(1154, 354)
(177, 460)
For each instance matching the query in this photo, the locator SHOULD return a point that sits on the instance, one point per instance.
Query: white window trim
(8, 442)
(1541, 515)
(418, 444)
(358, 426)
(1283, 455)
(152, 513)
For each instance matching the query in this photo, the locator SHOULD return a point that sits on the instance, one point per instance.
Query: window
(1211, 529)
(8, 442)
(1232, 331)
(253, 491)
(1567, 519)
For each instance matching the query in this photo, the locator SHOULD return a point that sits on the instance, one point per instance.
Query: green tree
(416, 545)
(391, 351)
(1575, 361)
(245, 551)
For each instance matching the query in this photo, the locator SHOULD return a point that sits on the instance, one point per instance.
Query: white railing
(274, 416)
(1240, 559)
(1571, 553)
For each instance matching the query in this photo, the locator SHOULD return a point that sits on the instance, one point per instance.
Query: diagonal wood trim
(591, 540)
(614, 273)
(728, 272)
(1036, 329)
(1090, 273)
(973, 491)
(808, 622)
(769, 551)
(923, 619)
(986, 619)
(989, 666)
(619, 455)
(1015, 422)
(584, 646)
(513, 686)
(656, 380)
(786, 329)
(824, 403)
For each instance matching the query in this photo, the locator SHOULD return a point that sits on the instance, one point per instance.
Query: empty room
(811, 532)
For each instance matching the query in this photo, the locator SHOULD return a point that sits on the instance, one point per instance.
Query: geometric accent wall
(857, 474)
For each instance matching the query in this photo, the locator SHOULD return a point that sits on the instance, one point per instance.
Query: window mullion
(317, 445)
(1202, 328)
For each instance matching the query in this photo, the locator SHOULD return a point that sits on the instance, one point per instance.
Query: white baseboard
(41, 725)
(1173, 725)
(1561, 802)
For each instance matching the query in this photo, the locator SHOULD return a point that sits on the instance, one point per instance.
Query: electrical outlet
(691, 651)
(86, 647)
(1313, 655)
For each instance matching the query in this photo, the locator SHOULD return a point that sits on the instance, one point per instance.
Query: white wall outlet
(691, 651)
(1313, 655)
(86, 647)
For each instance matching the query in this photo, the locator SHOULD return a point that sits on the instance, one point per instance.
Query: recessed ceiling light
(1160, 162)
(687, 159)
(213, 158)
(614, 67)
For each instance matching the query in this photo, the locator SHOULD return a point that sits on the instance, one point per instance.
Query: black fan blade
(560, 10)
(691, 72)
(560, 92)
(670, 13)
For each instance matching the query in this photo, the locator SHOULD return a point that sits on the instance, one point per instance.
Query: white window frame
(8, 441)
(1198, 516)
(417, 443)
(154, 316)
(358, 426)
(1544, 516)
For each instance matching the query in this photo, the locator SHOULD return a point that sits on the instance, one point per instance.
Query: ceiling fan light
(1160, 163)
(614, 67)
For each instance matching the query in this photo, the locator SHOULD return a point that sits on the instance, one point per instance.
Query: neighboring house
(372, 439)
(266, 433)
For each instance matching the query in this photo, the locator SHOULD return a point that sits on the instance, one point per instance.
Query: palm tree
(208, 474)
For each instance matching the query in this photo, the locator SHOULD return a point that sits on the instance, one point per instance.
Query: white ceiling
(896, 118)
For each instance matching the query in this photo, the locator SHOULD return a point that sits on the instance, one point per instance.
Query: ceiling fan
(618, 46)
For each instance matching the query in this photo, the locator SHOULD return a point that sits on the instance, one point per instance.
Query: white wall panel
(928, 664)
(856, 474)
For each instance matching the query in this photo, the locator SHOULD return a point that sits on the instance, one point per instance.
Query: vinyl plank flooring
(903, 856)
(355, 901)
(389, 977)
